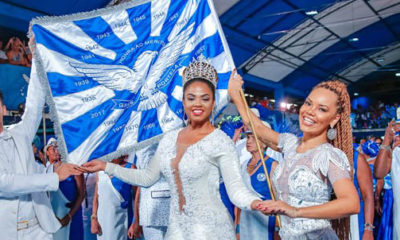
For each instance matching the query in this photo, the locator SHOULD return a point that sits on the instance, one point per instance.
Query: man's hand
(65, 220)
(94, 166)
(95, 227)
(66, 169)
(135, 231)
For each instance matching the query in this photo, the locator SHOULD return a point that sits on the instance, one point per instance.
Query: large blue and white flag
(115, 74)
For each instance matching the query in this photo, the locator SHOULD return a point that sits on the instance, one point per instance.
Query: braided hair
(343, 141)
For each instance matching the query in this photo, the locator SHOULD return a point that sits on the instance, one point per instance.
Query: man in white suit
(25, 210)
(154, 200)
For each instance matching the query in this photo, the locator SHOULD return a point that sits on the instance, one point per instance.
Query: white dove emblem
(143, 76)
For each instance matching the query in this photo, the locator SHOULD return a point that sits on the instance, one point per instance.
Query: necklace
(251, 166)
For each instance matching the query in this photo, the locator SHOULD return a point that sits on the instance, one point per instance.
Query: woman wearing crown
(192, 159)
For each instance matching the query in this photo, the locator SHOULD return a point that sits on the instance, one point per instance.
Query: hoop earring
(332, 133)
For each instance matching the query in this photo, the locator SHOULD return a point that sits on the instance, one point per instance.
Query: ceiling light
(312, 12)
(398, 74)
(353, 39)
(380, 60)
(355, 94)
(283, 105)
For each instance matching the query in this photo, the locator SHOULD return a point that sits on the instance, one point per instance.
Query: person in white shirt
(25, 210)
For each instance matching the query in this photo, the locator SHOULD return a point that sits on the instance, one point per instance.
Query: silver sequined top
(200, 169)
(305, 179)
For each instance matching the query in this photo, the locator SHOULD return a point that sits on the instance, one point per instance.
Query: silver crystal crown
(200, 68)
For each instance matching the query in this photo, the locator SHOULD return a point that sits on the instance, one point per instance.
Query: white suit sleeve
(14, 185)
(228, 163)
(138, 177)
(34, 105)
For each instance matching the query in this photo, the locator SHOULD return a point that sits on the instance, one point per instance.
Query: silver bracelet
(385, 147)
(368, 226)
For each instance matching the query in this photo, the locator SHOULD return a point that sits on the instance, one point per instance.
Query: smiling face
(198, 101)
(318, 112)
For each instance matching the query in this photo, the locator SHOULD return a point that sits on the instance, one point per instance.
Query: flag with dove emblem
(114, 75)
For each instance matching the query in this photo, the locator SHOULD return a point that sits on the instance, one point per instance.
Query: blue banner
(115, 74)
(14, 84)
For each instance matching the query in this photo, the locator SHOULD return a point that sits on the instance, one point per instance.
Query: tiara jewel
(200, 68)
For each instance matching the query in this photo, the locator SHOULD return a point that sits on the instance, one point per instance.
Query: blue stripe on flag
(111, 142)
(57, 44)
(223, 80)
(140, 18)
(80, 128)
(149, 125)
(62, 85)
(100, 32)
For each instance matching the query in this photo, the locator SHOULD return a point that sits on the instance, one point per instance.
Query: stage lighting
(312, 12)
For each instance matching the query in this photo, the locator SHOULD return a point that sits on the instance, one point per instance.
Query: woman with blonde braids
(312, 165)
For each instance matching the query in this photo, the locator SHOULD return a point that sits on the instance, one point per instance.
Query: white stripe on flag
(167, 118)
(206, 29)
(187, 13)
(70, 32)
(74, 105)
(121, 26)
(81, 154)
(221, 63)
(178, 93)
(129, 137)
(159, 12)
(52, 62)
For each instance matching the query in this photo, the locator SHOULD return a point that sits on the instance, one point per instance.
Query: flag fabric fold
(114, 75)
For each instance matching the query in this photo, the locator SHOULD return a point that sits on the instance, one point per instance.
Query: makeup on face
(318, 111)
(198, 101)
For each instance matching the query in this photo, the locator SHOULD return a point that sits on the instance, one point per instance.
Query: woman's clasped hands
(271, 207)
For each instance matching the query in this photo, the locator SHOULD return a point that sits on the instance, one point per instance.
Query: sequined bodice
(199, 175)
(305, 179)
(204, 216)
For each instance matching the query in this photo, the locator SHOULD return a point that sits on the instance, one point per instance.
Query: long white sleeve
(228, 162)
(34, 105)
(14, 185)
(139, 177)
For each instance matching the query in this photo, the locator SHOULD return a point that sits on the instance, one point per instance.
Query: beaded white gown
(204, 216)
(305, 179)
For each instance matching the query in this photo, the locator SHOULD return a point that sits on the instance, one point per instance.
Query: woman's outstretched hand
(235, 84)
(94, 166)
(269, 207)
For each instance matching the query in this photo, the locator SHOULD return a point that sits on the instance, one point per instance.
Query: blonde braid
(343, 141)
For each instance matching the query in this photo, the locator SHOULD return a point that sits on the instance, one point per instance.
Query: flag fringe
(45, 20)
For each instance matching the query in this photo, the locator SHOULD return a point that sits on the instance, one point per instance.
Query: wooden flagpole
(278, 219)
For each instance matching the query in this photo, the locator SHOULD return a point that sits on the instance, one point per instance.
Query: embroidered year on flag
(115, 75)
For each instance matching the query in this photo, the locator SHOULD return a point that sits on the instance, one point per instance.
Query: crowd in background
(378, 115)
(15, 52)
